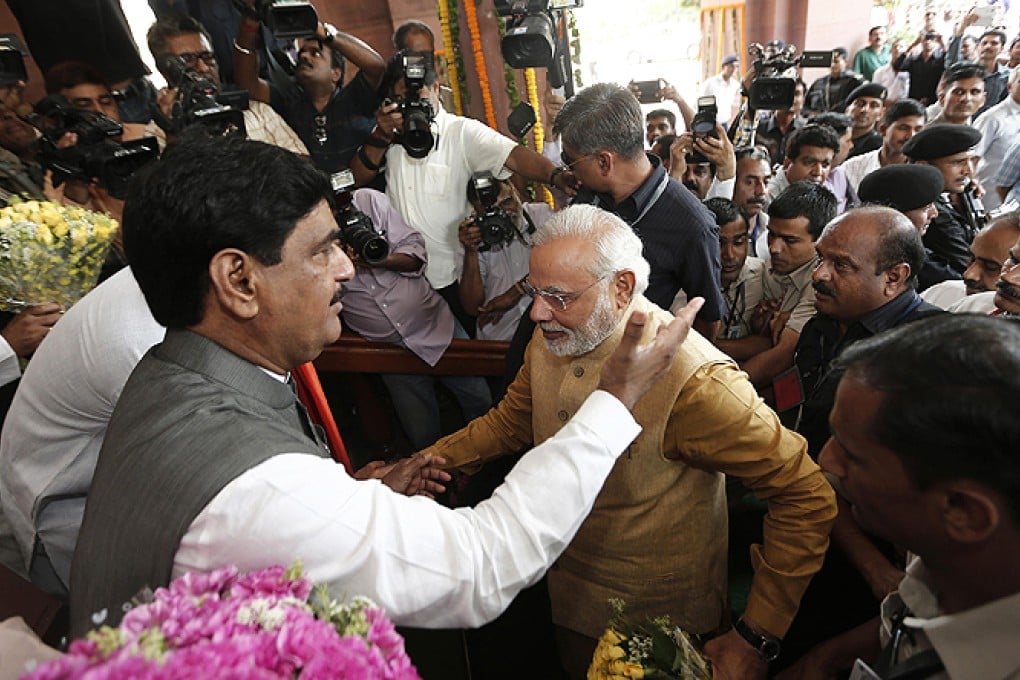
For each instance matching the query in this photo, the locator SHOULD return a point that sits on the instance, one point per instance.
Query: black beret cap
(903, 187)
(875, 90)
(939, 141)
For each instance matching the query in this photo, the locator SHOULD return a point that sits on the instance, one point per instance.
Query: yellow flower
(79, 237)
(43, 234)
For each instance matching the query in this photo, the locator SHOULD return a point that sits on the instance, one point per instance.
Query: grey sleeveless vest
(192, 418)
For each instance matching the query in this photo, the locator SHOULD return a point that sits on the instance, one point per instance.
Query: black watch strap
(767, 646)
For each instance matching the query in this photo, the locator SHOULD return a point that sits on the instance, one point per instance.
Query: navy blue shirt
(820, 342)
(333, 135)
(680, 237)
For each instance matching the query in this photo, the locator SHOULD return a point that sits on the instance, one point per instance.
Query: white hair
(617, 247)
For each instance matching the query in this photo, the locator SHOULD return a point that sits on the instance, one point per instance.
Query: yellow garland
(483, 74)
(538, 131)
(451, 59)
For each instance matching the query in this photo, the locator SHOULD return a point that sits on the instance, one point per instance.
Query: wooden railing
(353, 354)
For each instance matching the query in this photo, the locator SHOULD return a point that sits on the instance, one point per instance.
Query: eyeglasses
(557, 299)
(569, 162)
(189, 59)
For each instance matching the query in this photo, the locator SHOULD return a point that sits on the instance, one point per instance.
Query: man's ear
(971, 513)
(231, 274)
(896, 277)
(605, 160)
(623, 287)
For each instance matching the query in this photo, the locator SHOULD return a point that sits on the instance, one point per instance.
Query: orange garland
(483, 75)
(451, 58)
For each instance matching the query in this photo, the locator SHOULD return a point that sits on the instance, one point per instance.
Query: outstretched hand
(631, 370)
(417, 475)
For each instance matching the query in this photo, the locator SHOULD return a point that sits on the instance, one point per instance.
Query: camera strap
(531, 223)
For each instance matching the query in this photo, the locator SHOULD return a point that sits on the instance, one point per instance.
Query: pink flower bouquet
(265, 624)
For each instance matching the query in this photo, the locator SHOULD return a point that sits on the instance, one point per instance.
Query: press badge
(787, 389)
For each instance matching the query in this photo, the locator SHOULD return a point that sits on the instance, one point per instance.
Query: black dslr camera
(496, 224)
(96, 155)
(703, 123)
(356, 228)
(775, 77)
(200, 101)
(416, 135)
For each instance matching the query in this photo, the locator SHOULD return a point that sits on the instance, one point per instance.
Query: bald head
(868, 256)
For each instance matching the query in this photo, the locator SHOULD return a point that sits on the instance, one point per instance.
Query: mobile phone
(985, 15)
(649, 90)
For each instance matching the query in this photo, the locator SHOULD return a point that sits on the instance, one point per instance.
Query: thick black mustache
(823, 289)
(1008, 289)
(975, 286)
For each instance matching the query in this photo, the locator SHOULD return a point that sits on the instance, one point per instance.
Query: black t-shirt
(334, 135)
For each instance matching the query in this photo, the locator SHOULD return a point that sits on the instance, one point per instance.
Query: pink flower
(222, 625)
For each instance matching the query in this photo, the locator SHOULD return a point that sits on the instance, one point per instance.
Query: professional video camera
(287, 19)
(496, 224)
(12, 60)
(356, 228)
(416, 136)
(775, 77)
(200, 101)
(96, 155)
(530, 37)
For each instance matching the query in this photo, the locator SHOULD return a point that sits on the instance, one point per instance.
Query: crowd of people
(823, 316)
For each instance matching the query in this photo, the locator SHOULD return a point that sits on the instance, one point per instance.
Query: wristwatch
(767, 646)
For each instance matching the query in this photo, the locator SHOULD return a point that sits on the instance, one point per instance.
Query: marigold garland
(451, 56)
(471, 13)
(537, 131)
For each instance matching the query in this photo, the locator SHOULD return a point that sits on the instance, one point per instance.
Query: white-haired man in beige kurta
(657, 536)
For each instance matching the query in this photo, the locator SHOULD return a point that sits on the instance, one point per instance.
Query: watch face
(769, 650)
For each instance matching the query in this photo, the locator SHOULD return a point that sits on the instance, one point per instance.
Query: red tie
(309, 391)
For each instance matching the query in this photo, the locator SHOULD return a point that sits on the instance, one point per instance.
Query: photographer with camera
(331, 118)
(829, 93)
(496, 239)
(429, 155)
(183, 53)
(774, 132)
(391, 301)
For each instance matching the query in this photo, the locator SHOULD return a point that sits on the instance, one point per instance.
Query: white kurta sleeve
(427, 565)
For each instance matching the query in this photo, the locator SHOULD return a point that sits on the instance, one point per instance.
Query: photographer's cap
(730, 59)
(841, 51)
(903, 187)
(939, 141)
(875, 90)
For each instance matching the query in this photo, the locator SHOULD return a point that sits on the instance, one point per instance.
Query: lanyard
(735, 314)
(659, 190)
